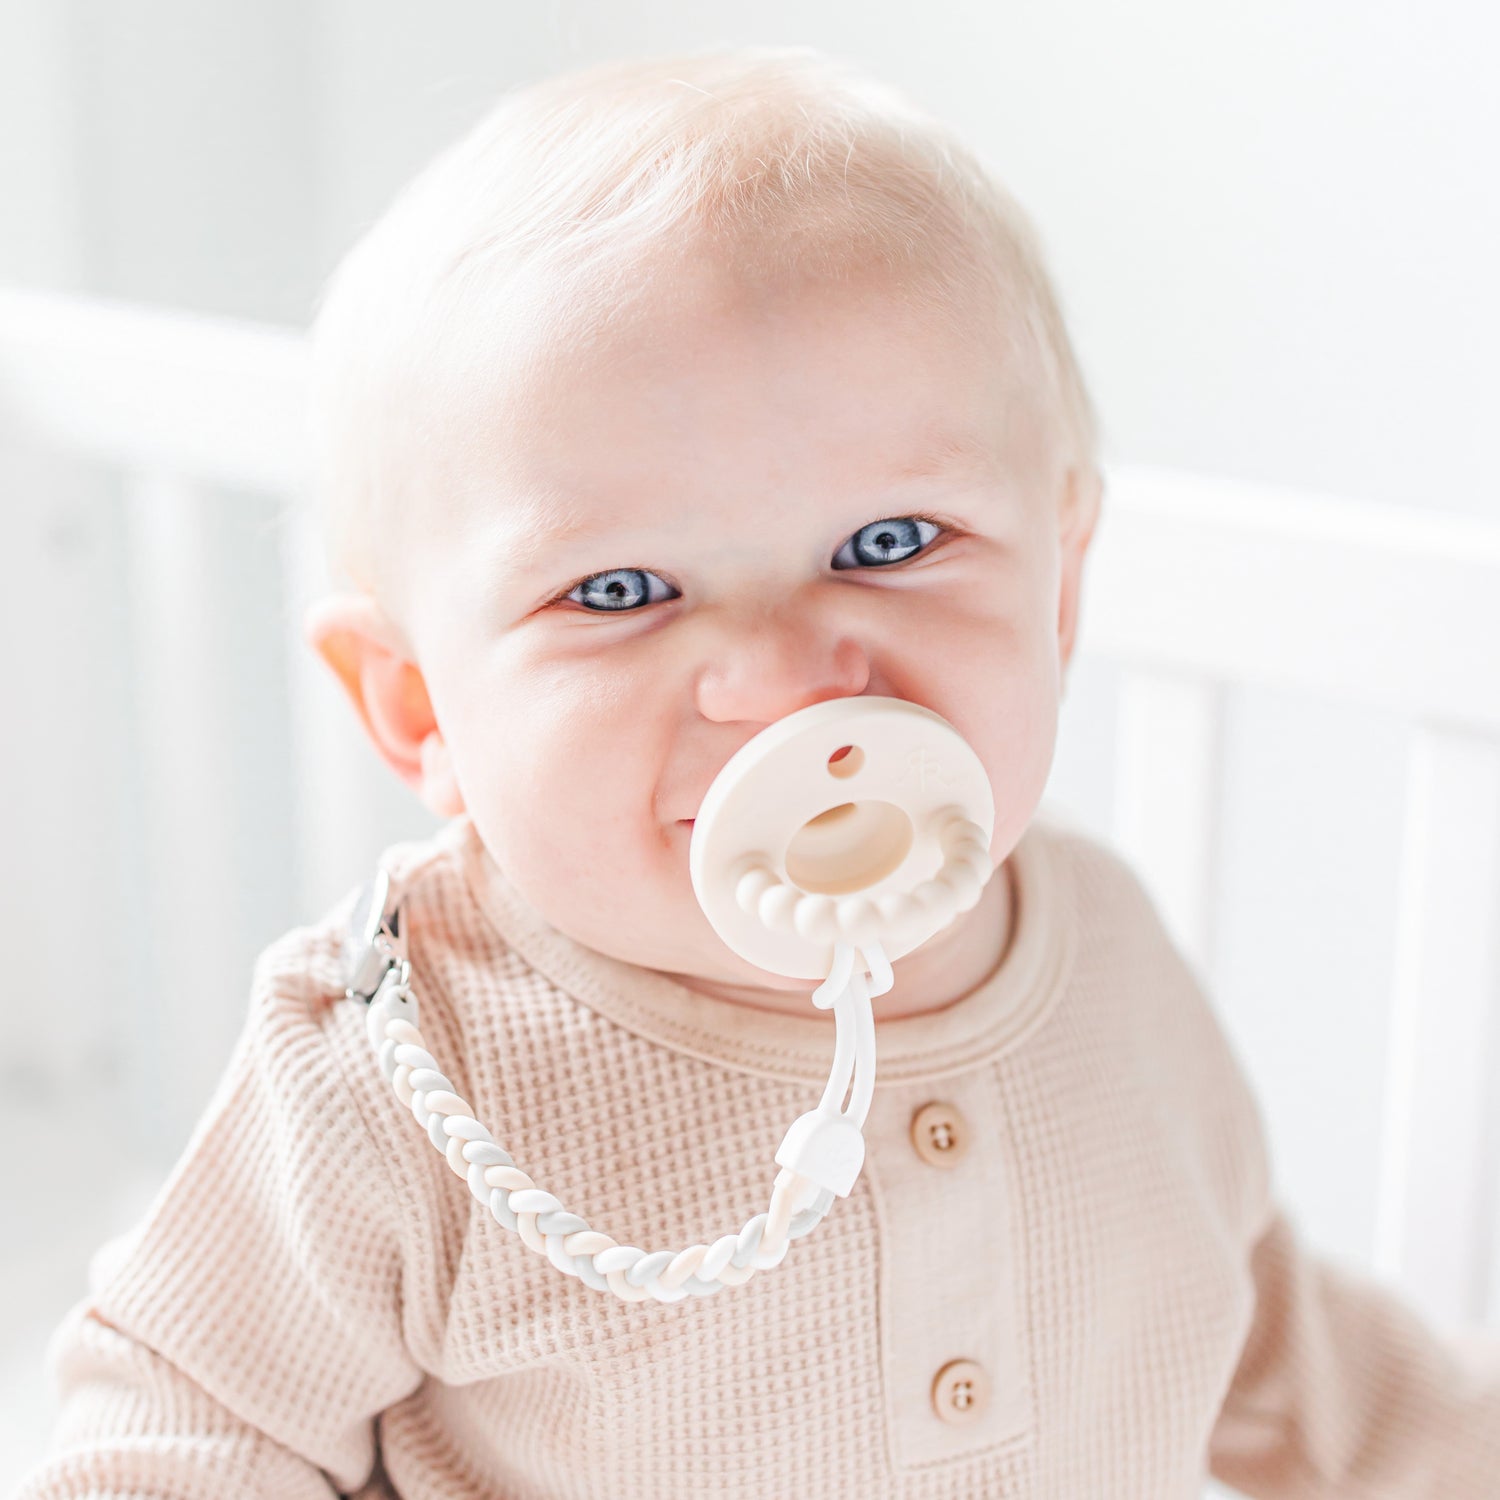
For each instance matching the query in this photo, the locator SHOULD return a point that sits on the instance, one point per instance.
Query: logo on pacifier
(927, 768)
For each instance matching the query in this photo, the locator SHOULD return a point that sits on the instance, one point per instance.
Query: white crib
(161, 703)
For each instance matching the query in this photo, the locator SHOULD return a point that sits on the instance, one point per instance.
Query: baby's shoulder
(1125, 964)
(1091, 882)
(307, 968)
(1147, 1004)
(302, 1025)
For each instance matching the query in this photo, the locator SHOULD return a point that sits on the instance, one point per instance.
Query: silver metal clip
(374, 946)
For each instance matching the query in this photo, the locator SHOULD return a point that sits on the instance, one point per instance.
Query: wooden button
(940, 1134)
(960, 1392)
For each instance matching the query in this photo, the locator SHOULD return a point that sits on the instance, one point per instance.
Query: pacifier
(833, 843)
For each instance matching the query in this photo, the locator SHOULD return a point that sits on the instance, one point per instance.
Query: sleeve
(1343, 1391)
(242, 1339)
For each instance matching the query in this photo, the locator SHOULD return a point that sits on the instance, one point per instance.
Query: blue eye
(882, 543)
(616, 592)
(878, 545)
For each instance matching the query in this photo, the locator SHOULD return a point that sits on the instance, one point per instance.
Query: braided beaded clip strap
(820, 1156)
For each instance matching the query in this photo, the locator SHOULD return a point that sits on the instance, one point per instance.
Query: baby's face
(730, 506)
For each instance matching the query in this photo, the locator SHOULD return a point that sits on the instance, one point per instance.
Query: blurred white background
(1274, 230)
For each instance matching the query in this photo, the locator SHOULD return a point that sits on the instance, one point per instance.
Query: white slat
(59, 811)
(1437, 1225)
(1168, 791)
(187, 819)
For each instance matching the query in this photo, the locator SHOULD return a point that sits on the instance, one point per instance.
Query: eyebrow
(951, 453)
(544, 523)
(543, 527)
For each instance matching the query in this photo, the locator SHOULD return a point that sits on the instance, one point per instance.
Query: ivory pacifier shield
(798, 844)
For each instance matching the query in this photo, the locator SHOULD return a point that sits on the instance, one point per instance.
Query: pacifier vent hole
(846, 761)
(849, 847)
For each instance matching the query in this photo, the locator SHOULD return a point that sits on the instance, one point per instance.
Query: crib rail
(152, 390)
(1208, 584)
(1196, 588)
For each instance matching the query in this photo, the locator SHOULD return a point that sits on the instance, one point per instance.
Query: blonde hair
(787, 159)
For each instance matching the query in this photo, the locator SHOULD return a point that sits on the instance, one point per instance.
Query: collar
(992, 1019)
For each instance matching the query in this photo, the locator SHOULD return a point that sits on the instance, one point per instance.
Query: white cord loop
(820, 1156)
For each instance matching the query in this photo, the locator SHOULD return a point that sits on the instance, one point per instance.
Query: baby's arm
(246, 1334)
(1343, 1391)
(1340, 1391)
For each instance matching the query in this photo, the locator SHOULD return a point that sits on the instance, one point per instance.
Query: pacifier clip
(878, 813)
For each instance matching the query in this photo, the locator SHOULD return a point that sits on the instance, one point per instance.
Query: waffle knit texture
(315, 1305)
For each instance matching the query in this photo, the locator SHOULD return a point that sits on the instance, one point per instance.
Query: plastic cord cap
(825, 1147)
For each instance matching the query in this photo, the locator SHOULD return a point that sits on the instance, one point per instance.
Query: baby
(678, 397)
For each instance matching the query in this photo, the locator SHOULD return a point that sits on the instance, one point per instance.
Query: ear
(368, 654)
(1077, 518)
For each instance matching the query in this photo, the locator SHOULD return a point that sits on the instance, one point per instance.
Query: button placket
(956, 1362)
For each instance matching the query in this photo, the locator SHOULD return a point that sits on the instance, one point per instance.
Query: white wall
(1274, 226)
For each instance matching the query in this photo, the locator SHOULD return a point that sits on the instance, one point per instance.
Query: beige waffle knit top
(1062, 1272)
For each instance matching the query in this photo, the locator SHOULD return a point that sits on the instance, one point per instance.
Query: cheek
(998, 684)
(1024, 745)
(558, 767)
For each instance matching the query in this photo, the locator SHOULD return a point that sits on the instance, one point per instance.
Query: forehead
(709, 389)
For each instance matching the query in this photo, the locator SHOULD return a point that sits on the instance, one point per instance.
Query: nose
(762, 670)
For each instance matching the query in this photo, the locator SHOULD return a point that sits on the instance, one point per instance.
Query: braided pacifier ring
(516, 1202)
(826, 1142)
(784, 907)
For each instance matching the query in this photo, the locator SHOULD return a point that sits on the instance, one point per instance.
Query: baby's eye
(884, 542)
(616, 592)
(881, 543)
